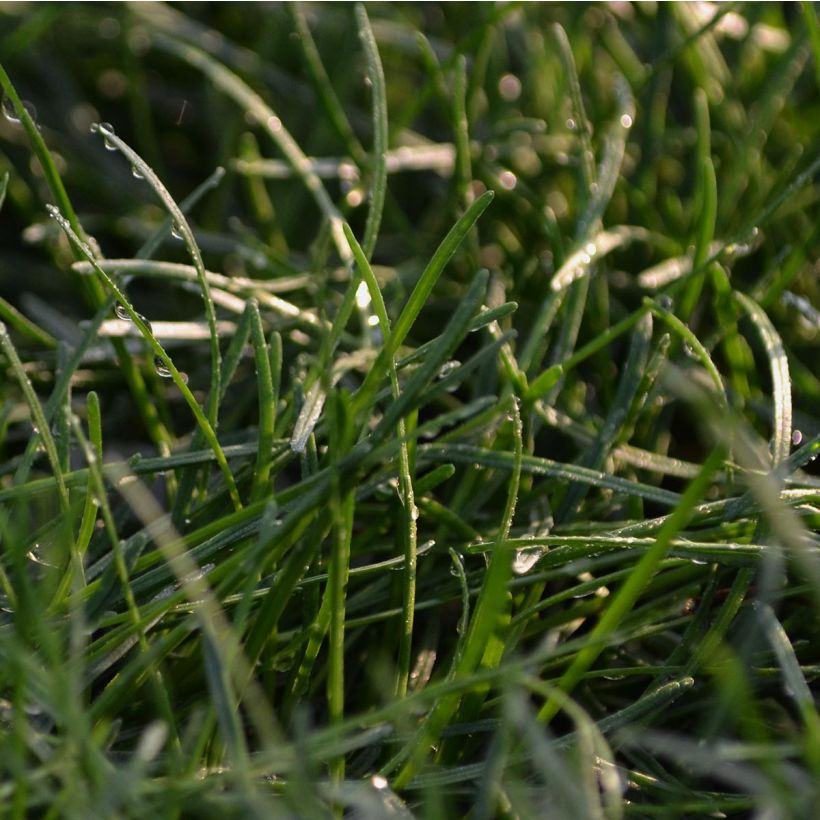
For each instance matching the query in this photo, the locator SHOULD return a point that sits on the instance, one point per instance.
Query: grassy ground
(409, 411)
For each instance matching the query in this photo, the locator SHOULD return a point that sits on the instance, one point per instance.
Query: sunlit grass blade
(183, 229)
(160, 353)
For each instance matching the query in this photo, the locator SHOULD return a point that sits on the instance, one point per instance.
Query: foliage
(409, 410)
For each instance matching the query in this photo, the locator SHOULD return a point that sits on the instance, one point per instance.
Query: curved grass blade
(159, 352)
(781, 383)
(182, 227)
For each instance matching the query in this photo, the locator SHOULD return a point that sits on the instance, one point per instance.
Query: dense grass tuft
(409, 410)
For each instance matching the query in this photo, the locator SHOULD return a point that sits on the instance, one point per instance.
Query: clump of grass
(409, 411)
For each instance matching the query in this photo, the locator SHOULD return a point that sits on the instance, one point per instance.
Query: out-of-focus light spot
(626, 121)
(509, 87)
(274, 123)
(362, 295)
(355, 197)
(108, 28)
(508, 180)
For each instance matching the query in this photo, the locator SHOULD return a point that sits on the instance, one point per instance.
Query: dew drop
(136, 173)
(107, 130)
(448, 367)
(571, 124)
(626, 121)
(689, 351)
(176, 232)
(162, 370)
(591, 249)
(797, 437)
(666, 303)
(526, 559)
(122, 313)
(10, 112)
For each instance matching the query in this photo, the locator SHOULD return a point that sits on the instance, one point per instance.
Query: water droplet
(591, 248)
(162, 370)
(689, 351)
(571, 124)
(176, 232)
(414, 513)
(526, 559)
(107, 131)
(136, 173)
(122, 313)
(666, 303)
(145, 322)
(10, 112)
(626, 121)
(797, 437)
(448, 367)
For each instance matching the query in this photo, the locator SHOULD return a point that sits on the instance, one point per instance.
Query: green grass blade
(378, 162)
(629, 593)
(781, 383)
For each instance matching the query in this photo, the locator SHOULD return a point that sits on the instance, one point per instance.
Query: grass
(409, 410)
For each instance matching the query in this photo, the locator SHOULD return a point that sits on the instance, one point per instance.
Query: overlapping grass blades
(487, 511)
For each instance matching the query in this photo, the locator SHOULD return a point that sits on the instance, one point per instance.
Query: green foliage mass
(409, 410)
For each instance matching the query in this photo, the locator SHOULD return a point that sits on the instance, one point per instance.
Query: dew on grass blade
(136, 173)
(176, 232)
(107, 131)
(162, 370)
(11, 114)
(122, 313)
(526, 559)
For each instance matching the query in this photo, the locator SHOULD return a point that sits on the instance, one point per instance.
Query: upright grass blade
(40, 424)
(408, 500)
(267, 404)
(810, 16)
(378, 163)
(482, 622)
(781, 384)
(581, 122)
(418, 298)
(342, 504)
(323, 86)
